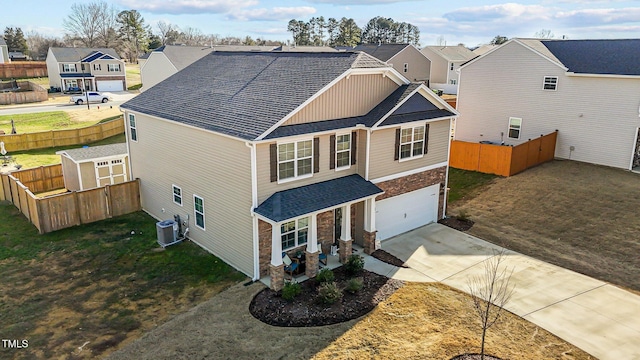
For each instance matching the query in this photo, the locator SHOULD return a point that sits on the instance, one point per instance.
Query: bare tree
(107, 35)
(491, 291)
(440, 41)
(166, 30)
(544, 34)
(39, 44)
(85, 22)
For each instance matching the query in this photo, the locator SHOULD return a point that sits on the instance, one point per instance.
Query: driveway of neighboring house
(600, 318)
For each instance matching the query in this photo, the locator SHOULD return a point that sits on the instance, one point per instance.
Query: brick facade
(311, 263)
(369, 242)
(414, 182)
(277, 277)
(264, 246)
(345, 250)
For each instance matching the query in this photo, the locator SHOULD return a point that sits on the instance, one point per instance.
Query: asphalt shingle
(68, 54)
(383, 52)
(95, 152)
(607, 57)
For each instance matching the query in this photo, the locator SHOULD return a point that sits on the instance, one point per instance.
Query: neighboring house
(405, 58)
(4, 52)
(279, 151)
(87, 68)
(445, 62)
(95, 166)
(483, 49)
(588, 90)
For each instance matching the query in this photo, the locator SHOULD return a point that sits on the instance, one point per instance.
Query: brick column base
(311, 263)
(369, 241)
(344, 250)
(277, 277)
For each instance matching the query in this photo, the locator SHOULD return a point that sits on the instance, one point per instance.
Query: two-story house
(4, 52)
(282, 151)
(87, 68)
(405, 59)
(588, 90)
(445, 62)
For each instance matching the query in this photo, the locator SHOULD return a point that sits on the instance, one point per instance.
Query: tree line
(345, 32)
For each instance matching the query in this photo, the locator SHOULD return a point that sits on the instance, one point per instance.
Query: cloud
(592, 17)
(358, 2)
(274, 14)
(177, 7)
(503, 12)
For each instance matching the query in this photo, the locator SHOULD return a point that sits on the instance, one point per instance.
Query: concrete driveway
(600, 318)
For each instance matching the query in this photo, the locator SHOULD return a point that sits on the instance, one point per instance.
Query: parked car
(93, 96)
(73, 90)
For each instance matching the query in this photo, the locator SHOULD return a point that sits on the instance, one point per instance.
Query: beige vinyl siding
(104, 68)
(346, 99)
(53, 70)
(419, 65)
(597, 116)
(382, 152)
(88, 174)
(155, 69)
(214, 167)
(266, 188)
(70, 172)
(362, 153)
(439, 67)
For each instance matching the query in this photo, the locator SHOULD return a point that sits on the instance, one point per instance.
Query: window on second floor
(113, 67)
(515, 125)
(133, 130)
(451, 67)
(550, 83)
(295, 159)
(453, 82)
(412, 142)
(406, 67)
(97, 67)
(69, 68)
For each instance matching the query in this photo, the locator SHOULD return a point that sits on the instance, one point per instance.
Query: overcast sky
(470, 22)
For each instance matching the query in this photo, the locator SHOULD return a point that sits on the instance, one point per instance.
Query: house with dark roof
(289, 152)
(4, 51)
(588, 90)
(92, 69)
(405, 59)
(445, 62)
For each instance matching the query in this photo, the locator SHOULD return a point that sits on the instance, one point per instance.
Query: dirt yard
(579, 216)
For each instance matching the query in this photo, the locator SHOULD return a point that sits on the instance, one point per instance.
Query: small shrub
(325, 275)
(291, 290)
(463, 216)
(354, 285)
(328, 293)
(354, 264)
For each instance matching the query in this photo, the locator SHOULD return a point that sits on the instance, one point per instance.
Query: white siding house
(445, 62)
(588, 90)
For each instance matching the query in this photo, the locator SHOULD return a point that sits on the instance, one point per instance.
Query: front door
(337, 221)
(636, 154)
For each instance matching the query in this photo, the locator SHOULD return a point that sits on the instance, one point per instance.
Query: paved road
(118, 99)
(599, 318)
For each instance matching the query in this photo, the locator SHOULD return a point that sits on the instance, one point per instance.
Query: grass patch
(42, 81)
(135, 87)
(42, 157)
(34, 122)
(90, 282)
(463, 183)
(134, 80)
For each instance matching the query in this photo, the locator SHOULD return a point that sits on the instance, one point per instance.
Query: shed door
(110, 172)
(405, 212)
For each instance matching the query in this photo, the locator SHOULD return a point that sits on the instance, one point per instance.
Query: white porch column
(312, 240)
(370, 215)
(276, 245)
(345, 233)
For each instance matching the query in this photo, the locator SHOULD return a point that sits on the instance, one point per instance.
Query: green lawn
(34, 122)
(134, 80)
(42, 81)
(463, 183)
(41, 157)
(97, 283)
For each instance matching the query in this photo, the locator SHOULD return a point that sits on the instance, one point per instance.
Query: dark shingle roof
(243, 94)
(77, 54)
(288, 204)
(95, 152)
(613, 57)
(414, 109)
(383, 52)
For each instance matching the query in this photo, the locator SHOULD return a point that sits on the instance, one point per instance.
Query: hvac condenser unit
(167, 232)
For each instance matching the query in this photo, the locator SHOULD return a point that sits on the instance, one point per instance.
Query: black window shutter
(397, 153)
(354, 146)
(273, 155)
(426, 140)
(332, 152)
(316, 155)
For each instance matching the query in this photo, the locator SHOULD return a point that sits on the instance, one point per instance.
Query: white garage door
(406, 212)
(110, 85)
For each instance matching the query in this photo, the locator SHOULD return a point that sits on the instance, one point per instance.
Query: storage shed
(95, 166)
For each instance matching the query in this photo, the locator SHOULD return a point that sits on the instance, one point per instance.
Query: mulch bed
(306, 310)
(458, 224)
(388, 258)
(474, 357)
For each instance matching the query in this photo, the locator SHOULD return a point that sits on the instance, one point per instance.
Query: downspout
(446, 177)
(366, 166)
(126, 133)
(254, 204)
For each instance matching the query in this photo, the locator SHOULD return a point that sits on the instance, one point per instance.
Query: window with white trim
(198, 210)
(550, 83)
(294, 233)
(177, 195)
(133, 130)
(451, 67)
(97, 67)
(113, 67)
(411, 142)
(406, 67)
(69, 68)
(295, 159)
(515, 124)
(343, 151)
(453, 82)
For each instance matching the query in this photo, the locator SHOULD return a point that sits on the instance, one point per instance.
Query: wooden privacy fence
(41, 179)
(53, 138)
(61, 211)
(502, 160)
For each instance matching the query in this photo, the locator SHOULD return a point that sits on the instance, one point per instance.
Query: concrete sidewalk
(600, 318)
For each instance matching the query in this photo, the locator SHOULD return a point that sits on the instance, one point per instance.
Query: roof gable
(452, 53)
(606, 57)
(415, 108)
(382, 52)
(95, 152)
(244, 94)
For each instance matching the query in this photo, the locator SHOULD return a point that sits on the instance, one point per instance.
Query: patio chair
(289, 266)
(322, 257)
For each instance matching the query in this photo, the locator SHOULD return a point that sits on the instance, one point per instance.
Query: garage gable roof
(95, 152)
